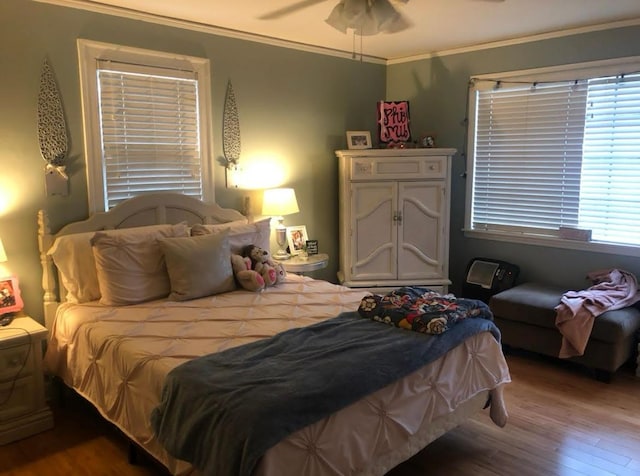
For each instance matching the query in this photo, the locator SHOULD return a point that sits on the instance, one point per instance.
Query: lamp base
(281, 255)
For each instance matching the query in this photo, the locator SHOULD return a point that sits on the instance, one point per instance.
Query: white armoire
(394, 218)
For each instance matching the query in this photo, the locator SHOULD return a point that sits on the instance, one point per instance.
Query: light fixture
(367, 17)
(276, 203)
(3, 255)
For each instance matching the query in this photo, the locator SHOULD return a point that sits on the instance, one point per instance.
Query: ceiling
(437, 25)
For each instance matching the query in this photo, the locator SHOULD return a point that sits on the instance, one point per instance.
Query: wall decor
(393, 122)
(10, 298)
(52, 132)
(230, 128)
(358, 139)
(297, 238)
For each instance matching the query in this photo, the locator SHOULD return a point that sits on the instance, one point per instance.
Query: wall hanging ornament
(231, 133)
(393, 122)
(52, 132)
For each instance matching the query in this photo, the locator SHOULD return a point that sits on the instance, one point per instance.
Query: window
(549, 153)
(146, 123)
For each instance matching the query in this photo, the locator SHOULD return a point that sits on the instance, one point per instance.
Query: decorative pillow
(240, 235)
(130, 264)
(198, 266)
(73, 256)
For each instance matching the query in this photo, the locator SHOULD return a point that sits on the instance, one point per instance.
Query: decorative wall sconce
(276, 203)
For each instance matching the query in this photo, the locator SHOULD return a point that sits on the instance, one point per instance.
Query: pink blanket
(612, 289)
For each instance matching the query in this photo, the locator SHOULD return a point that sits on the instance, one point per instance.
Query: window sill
(555, 242)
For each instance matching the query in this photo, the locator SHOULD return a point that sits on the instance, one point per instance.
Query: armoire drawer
(398, 168)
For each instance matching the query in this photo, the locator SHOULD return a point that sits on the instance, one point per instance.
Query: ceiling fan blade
(294, 7)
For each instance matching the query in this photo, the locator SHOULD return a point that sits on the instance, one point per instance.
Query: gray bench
(526, 316)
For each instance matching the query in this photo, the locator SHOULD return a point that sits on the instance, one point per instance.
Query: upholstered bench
(526, 317)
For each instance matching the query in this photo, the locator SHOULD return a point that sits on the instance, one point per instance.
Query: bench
(526, 317)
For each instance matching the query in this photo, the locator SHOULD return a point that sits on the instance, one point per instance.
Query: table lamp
(276, 203)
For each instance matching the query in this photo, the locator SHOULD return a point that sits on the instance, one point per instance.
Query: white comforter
(118, 357)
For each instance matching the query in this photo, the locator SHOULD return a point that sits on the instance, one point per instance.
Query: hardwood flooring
(561, 423)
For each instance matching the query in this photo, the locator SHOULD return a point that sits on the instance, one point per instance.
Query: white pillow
(73, 256)
(198, 266)
(130, 264)
(240, 235)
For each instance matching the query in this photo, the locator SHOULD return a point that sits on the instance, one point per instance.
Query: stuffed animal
(248, 278)
(272, 271)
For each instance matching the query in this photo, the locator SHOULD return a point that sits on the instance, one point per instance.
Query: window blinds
(149, 131)
(559, 155)
(528, 153)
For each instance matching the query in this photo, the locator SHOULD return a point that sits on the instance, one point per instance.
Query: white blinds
(610, 187)
(528, 151)
(149, 131)
(559, 154)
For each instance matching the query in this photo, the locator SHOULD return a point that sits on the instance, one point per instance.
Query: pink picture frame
(10, 297)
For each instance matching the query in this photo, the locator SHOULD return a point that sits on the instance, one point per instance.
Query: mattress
(118, 357)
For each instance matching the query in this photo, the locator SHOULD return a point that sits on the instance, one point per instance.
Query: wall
(437, 91)
(294, 109)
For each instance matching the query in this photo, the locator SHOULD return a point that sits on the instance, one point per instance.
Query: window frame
(569, 72)
(89, 52)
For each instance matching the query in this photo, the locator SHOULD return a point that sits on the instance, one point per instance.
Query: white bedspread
(118, 357)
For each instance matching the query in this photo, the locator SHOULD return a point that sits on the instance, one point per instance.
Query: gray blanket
(221, 412)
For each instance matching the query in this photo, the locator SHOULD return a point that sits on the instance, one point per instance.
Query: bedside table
(23, 409)
(297, 265)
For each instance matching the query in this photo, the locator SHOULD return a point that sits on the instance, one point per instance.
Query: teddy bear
(272, 271)
(248, 278)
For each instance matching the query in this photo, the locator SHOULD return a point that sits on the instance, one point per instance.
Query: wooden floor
(562, 422)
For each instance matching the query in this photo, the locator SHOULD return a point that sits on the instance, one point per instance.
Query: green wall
(437, 91)
(292, 104)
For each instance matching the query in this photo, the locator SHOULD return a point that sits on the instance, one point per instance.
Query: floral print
(421, 309)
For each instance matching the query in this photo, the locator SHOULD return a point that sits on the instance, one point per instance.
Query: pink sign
(393, 121)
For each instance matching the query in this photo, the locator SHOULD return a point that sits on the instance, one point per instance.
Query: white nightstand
(299, 265)
(23, 408)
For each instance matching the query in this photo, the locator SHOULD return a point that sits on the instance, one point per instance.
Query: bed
(115, 341)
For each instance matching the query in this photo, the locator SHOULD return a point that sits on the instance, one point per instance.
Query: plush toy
(248, 278)
(272, 271)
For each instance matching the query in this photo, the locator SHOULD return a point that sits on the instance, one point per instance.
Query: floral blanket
(421, 309)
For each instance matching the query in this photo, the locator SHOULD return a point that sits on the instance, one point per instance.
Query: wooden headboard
(144, 210)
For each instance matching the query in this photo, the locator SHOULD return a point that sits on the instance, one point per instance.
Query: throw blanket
(221, 412)
(421, 309)
(612, 289)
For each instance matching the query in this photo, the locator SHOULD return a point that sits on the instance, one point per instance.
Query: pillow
(240, 235)
(198, 266)
(130, 264)
(73, 256)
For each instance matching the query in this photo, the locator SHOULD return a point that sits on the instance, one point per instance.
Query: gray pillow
(198, 266)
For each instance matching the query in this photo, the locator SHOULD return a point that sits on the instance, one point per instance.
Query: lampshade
(3, 255)
(367, 18)
(278, 202)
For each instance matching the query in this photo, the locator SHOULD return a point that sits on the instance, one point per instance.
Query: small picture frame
(312, 247)
(297, 238)
(10, 298)
(359, 139)
(427, 140)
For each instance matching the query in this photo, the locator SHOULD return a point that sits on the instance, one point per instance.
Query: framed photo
(428, 140)
(10, 298)
(297, 238)
(359, 139)
(312, 247)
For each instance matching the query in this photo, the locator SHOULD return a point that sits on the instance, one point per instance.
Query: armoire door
(374, 232)
(420, 230)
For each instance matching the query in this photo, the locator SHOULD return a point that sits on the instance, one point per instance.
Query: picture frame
(359, 139)
(428, 140)
(10, 297)
(312, 247)
(297, 238)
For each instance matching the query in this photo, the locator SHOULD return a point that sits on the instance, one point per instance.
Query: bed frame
(143, 210)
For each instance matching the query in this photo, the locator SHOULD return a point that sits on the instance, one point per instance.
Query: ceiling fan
(365, 17)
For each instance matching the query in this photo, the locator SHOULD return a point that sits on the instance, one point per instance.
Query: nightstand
(23, 408)
(299, 265)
